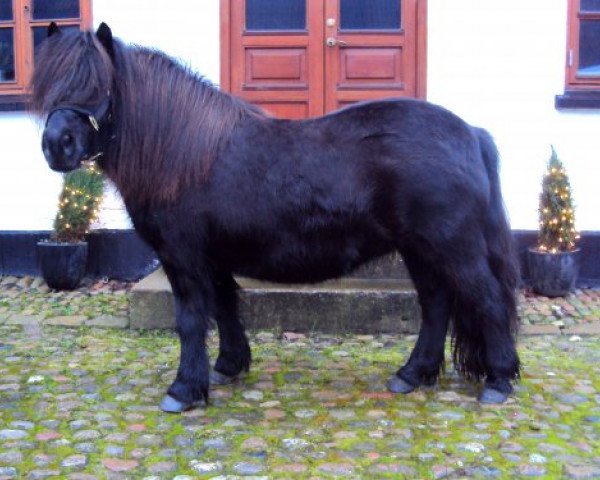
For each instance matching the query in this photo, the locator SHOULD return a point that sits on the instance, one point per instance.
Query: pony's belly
(298, 274)
(307, 268)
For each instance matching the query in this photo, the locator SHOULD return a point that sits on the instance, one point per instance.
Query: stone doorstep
(352, 302)
(349, 305)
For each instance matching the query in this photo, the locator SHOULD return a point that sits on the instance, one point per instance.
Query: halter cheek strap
(98, 117)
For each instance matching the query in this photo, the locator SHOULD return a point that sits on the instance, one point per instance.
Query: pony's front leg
(190, 387)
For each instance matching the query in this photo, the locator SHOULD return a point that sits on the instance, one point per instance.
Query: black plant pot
(62, 264)
(553, 274)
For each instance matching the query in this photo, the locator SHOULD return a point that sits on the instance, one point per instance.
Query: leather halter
(99, 118)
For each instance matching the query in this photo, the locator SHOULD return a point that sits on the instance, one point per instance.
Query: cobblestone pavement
(28, 300)
(81, 403)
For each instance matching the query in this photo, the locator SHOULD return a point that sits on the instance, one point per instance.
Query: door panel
(277, 55)
(270, 68)
(368, 67)
(369, 54)
(304, 58)
(290, 110)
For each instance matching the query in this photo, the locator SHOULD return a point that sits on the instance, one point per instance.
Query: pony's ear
(53, 29)
(105, 37)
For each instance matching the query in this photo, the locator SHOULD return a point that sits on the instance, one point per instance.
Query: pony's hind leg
(427, 357)
(483, 338)
(234, 350)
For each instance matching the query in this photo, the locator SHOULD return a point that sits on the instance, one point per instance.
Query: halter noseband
(99, 118)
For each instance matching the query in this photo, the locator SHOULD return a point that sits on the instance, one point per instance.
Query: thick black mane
(151, 88)
(147, 88)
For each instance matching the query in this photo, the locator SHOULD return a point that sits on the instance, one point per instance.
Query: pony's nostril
(66, 140)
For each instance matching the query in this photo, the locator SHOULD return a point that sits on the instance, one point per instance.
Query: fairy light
(556, 214)
(79, 203)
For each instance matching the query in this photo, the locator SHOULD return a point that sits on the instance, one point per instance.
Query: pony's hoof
(397, 385)
(491, 395)
(172, 405)
(218, 378)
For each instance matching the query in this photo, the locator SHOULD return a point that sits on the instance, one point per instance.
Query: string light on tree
(557, 217)
(78, 203)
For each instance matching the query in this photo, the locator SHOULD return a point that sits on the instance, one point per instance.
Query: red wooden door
(370, 50)
(277, 55)
(304, 58)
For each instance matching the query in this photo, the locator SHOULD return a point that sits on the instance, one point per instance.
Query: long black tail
(468, 346)
(502, 257)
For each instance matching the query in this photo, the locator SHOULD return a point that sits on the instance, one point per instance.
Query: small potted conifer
(553, 265)
(63, 257)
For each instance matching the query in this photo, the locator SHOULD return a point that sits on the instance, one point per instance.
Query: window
(262, 15)
(582, 88)
(372, 15)
(23, 25)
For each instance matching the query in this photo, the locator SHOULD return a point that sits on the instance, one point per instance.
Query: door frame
(421, 47)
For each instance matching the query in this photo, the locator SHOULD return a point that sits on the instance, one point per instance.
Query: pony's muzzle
(61, 149)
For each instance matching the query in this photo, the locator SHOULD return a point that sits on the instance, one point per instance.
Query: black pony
(218, 188)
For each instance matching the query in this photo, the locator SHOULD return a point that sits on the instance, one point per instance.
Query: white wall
(499, 65)
(496, 63)
(28, 188)
(186, 29)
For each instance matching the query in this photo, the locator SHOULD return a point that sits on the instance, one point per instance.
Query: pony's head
(72, 87)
